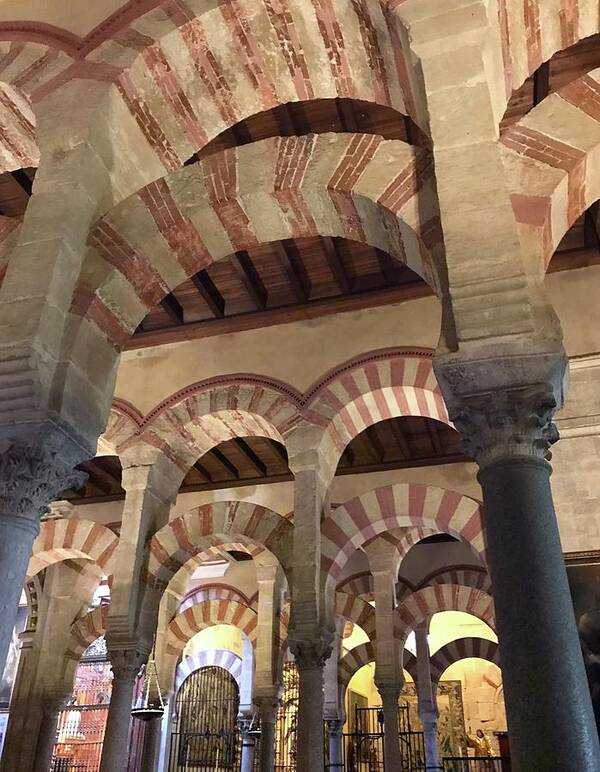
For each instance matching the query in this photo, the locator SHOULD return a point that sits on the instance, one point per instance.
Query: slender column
(248, 744)
(151, 745)
(31, 476)
(47, 734)
(311, 623)
(509, 430)
(336, 759)
(428, 712)
(383, 563)
(125, 666)
(267, 710)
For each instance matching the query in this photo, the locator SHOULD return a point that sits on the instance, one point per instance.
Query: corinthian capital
(312, 653)
(32, 475)
(503, 406)
(509, 423)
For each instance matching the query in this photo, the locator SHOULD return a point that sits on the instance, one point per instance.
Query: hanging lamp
(144, 710)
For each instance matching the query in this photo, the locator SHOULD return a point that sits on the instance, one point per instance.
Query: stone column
(311, 622)
(125, 666)
(508, 429)
(384, 560)
(268, 706)
(428, 712)
(245, 724)
(151, 745)
(336, 754)
(47, 734)
(31, 477)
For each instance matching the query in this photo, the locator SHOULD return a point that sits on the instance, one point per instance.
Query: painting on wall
(355, 700)
(451, 721)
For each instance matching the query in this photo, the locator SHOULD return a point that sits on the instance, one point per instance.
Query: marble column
(427, 702)
(508, 429)
(248, 744)
(268, 706)
(125, 667)
(31, 477)
(51, 708)
(336, 754)
(310, 661)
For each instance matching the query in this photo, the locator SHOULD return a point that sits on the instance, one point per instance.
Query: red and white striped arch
(246, 57)
(124, 422)
(355, 186)
(477, 578)
(201, 416)
(208, 614)
(552, 157)
(86, 630)
(397, 506)
(359, 585)
(462, 648)
(213, 592)
(211, 525)
(213, 658)
(73, 539)
(424, 603)
(356, 610)
(364, 654)
(385, 384)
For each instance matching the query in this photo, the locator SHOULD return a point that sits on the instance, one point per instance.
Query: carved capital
(335, 726)
(246, 724)
(312, 654)
(517, 422)
(126, 663)
(32, 475)
(268, 705)
(503, 405)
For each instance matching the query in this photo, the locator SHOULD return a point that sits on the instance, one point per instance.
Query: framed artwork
(451, 721)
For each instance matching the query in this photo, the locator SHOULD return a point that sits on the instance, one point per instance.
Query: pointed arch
(73, 539)
(209, 525)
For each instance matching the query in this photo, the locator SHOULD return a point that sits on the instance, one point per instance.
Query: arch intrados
(235, 678)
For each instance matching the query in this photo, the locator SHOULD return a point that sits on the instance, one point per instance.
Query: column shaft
(116, 737)
(547, 698)
(428, 712)
(17, 535)
(336, 758)
(310, 738)
(267, 710)
(247, 760)
(391, 729)
(47, 736)
(151, 745)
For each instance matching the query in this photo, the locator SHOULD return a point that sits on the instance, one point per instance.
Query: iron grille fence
(205, 735)
(476, 764)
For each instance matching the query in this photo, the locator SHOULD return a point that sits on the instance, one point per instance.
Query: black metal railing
(476, 764)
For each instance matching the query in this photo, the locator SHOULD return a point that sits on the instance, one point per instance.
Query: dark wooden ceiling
(305, 278)
(398, 443)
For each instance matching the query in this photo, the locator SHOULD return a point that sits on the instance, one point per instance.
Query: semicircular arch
(462, 648)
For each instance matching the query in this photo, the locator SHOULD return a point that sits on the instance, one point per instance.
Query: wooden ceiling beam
(283, 251)
(541, 83)
(280, 450)
(434, 437)
(400, 439)
(388, 266)
(347, 115)
(244, 267)
(219, 456)
(251, 456)
(210, 294)
(203, 471)
(336, 265)
(99, 478)
(591, 227)
(173, 308)
(373, 440)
